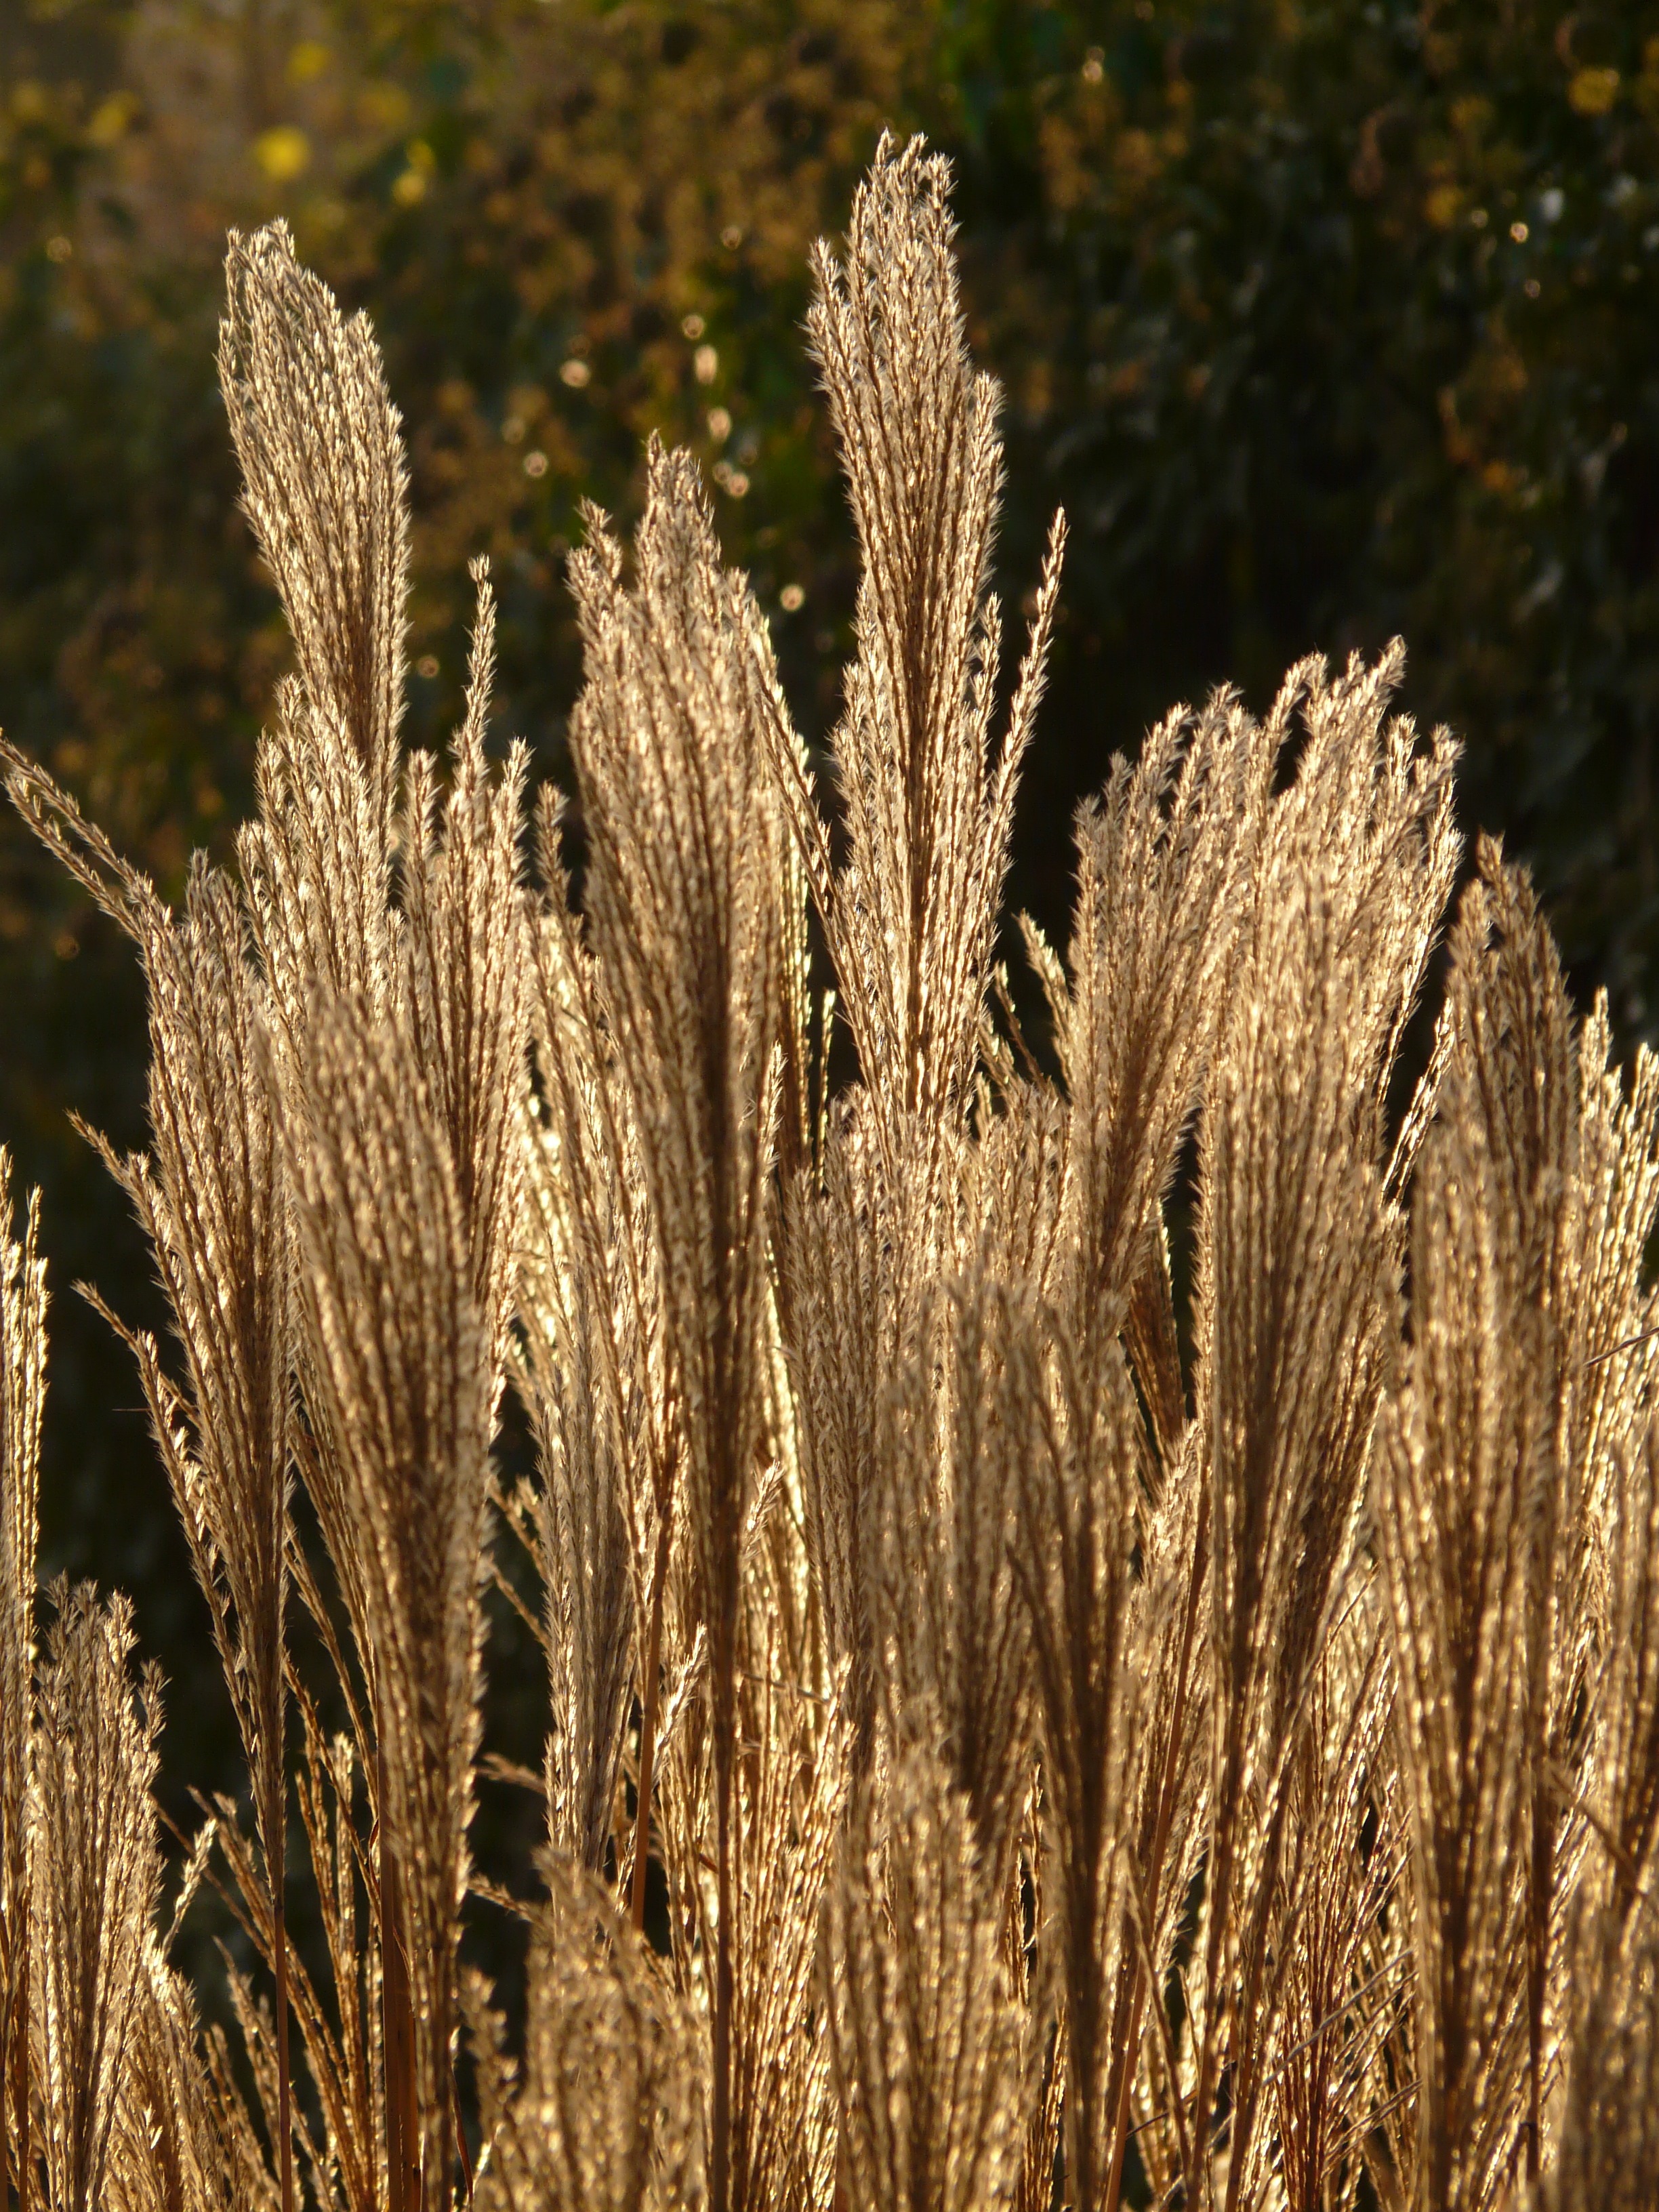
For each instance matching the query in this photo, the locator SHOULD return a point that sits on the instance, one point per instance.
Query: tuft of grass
(1078, 1731)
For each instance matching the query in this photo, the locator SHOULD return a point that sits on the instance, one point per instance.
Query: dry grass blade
(464, 993)
(1624, 1767)
(912, 919)
(1093, 1710)
(668, 739)
(592, 1375)
(1609, 2117)
(1618, 1179)
(1163, 856)
(399, 1378)
(325, 486)
(1340, 2003)
(338, 2022)
(95, 1874)
(1298, 1358)
(324, 479)
(210, 1198)
(1608, 2137)
(1565, 1285)
(923, 2027)
(172, 2151)
(1095, 1613)
(578, 1521)
(1453, 1540)
(1164, 859)
(1463, 1456)
(966, 1421)
(316, 869)
(787, 1819)
(23, 1400)
(602, 2114)
(835, 1299)
(1298, 1252)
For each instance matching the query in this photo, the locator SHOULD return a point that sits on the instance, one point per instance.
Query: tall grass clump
(1111, 1598)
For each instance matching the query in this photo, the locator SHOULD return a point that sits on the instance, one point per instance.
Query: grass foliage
(1102, 1726)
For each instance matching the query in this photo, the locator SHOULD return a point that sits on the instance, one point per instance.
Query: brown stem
(721, 2128)
(284, 2090)
(458, 2129)
(1542, 1870)
(17, 2066)
(648, 1719)
(1126, 2084)
(398, 2024)
(1539, 1632)
(273, 1825)
(1160, 1844)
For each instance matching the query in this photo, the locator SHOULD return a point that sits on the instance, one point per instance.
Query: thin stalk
(648, 1718)
(721, 2131)
(1540, 1635)
(1537, 1914)
(1247, 2087)
(284, 2090)
(17, 2066)
(1160, 1844)
(458, 2129)
(274, 1837)
(397, 2025)
(726, 1733)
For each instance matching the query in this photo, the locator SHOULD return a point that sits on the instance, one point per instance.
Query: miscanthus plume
(1113, 1716)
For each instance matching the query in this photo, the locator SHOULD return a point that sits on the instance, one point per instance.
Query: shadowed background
(1324, 322)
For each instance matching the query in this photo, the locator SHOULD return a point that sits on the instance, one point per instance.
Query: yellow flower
(110, 118)
(307, 61)
(283, 153)
(410, 187)
(1593, 91)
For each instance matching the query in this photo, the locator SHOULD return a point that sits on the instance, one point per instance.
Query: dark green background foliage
(1324, 322)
